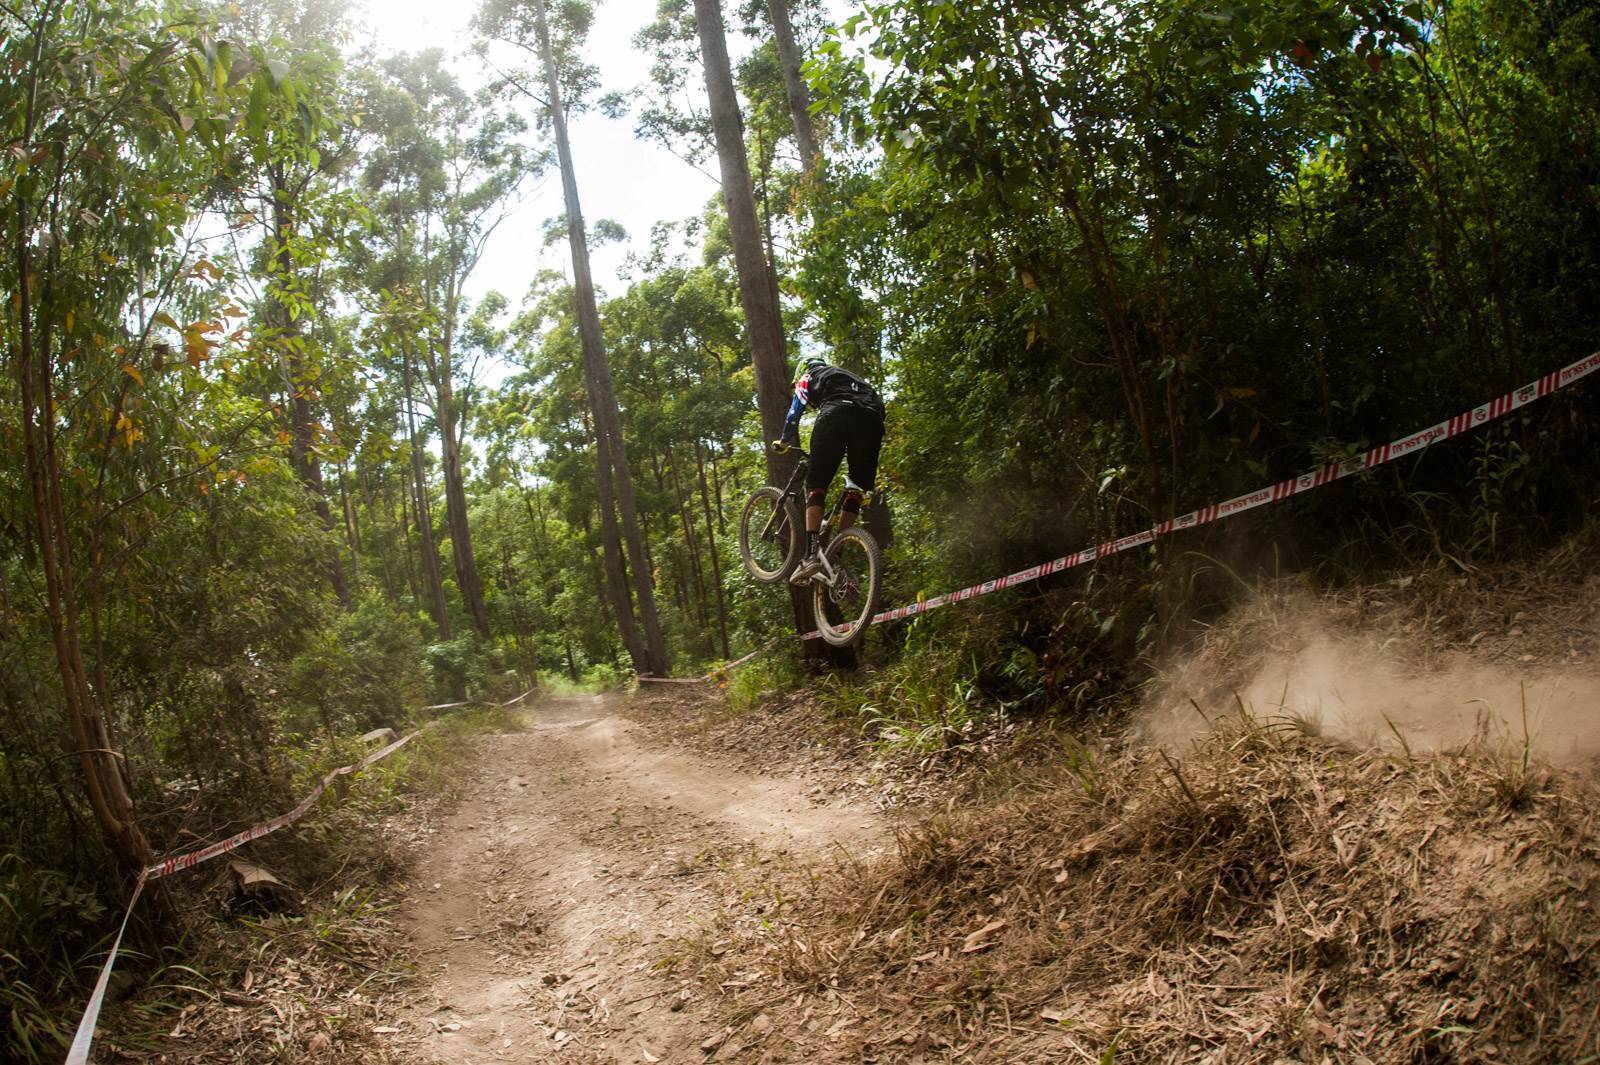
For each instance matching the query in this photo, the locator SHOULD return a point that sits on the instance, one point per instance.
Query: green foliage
(769, 674)
(1109, 262)
(362, 670)
(37, 906)
(459, 667)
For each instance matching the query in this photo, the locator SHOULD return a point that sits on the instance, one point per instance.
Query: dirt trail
(547, 912)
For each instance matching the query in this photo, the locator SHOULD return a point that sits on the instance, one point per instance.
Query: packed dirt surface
(552, 909)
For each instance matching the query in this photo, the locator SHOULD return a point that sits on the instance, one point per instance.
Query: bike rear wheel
(853, 596)
(771, 536)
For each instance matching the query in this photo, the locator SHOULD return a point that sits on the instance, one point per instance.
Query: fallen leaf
(975, 941)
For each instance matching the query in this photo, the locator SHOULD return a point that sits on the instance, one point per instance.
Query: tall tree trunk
(716, 488)
(455, 492)
(302, 455)
(711, 538)
(615, 582)
(90, 737)
(407, 556)
(419, 509)
(608, 419)
(690, 541)
(762, 319)
(794, 86)
(352, 526)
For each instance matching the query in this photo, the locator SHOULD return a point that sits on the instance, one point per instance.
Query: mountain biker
(849, 426)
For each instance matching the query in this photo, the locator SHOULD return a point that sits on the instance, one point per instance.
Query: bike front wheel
(843, 608)
(770, 535)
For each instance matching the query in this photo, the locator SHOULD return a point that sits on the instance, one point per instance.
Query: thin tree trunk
(408, 557)
(608, 420)
(689, 540)
(301, 454)
(352, 528)
(794, 86)
(616, 581)
(430, 553)
(612, 578)
(711, 538)
(90, 738)
(716, 486)
(455, 492)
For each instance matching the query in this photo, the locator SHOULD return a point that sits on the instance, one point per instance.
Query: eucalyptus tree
(559, 60)
(448, 165)
(763, 320)
(285, 184)
(794, 86)
(121, 121)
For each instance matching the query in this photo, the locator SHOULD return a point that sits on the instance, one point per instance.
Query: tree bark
(419, 509)
(691, 542)
(455, 493)
(90, 738)
(794, 86)
(608, 420)
(616, 583)
(762, 316)
(711, 539)
(302, 455)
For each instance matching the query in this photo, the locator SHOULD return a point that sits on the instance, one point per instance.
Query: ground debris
(1289, 901)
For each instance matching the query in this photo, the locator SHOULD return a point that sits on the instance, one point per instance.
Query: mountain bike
(772, 535)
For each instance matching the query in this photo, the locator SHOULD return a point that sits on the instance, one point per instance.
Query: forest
(263, 489)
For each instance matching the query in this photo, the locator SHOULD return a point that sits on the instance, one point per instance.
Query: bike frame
(790, 491)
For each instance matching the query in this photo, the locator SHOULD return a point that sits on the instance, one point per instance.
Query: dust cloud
(1360, 691)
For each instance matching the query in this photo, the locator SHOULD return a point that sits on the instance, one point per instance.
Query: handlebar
(781, 447)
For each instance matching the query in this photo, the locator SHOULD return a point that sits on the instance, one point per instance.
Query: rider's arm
(791, 424)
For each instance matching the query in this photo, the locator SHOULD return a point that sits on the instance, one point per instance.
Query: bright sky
(619, 177)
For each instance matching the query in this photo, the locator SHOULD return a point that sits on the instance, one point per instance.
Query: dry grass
(1270, 897)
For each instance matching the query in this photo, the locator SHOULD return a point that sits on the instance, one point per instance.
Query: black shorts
(844, 429)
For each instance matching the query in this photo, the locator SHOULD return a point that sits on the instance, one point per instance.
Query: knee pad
(815, 497)
(852, 500)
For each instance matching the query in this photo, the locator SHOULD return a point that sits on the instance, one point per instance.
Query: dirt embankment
(1335, 834)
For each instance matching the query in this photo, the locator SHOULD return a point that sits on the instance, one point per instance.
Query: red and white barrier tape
(480, 702)
(78, 1054)
(1406, 445)
(645, 678)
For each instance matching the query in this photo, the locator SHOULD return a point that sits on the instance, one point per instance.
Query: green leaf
(255, 118)
(279, 70)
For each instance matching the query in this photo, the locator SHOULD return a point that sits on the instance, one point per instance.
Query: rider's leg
(866, 441)
(829, 438)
